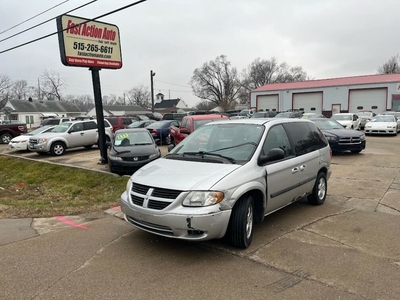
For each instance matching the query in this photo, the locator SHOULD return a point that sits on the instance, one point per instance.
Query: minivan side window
(277, 138)
(306, 137)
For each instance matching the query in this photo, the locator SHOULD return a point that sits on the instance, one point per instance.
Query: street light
(152, 74)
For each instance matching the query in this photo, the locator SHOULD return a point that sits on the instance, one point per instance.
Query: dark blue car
(339, 138)
(160, 131)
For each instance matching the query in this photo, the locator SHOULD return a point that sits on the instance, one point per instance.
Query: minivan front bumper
(202, 223)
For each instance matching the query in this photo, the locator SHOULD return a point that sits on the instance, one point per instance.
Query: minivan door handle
(302, 168)
(295, 170)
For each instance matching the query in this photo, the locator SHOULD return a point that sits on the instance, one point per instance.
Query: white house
(118, 110)
(376, 93)
(32, 112)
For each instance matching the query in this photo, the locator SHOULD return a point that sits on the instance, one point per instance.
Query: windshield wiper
(140, 144)
(202, 153)
(235, 146)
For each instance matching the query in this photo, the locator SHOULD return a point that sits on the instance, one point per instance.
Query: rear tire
(5, 138)
(319, 190)
(57, 149)
(240, 229)
(88, 146)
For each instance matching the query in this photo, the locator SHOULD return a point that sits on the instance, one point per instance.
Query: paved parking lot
(348, 248)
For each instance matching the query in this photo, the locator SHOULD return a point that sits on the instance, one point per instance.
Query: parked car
(246, 113)
(131, 149)
(348, 120)
(54, 121)
(11, 130)
(339, 138)
(140, 124)
(383, 124)
(392, 113)
(312, 116)
(68, 135)
(120, 122)
(226, 176)
(264, 114)
(21, 142)
(190, 124)
(154, 116)
(365, 116)
(289, 114)
(174, 116)
(160, 131)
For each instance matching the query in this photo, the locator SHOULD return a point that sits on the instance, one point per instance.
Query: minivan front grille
(152, 198)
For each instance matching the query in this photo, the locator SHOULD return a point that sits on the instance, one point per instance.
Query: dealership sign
(85, 43)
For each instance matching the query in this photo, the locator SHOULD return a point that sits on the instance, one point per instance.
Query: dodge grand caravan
(228, 175)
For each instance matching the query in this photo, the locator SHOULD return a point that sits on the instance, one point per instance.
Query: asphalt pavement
(348, 248)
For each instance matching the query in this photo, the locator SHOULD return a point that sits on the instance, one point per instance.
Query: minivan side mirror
(273, 155)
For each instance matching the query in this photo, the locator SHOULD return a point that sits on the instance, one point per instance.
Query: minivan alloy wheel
(318, 194)
(240, 230)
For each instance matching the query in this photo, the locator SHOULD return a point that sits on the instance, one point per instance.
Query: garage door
(309, 102)
(368, 99)
(268, 102)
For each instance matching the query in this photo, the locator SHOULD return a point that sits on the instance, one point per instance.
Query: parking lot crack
(85, 264)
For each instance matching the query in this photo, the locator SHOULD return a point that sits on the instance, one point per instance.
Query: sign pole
(99, 114)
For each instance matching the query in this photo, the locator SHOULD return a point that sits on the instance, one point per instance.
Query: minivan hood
(182, 175)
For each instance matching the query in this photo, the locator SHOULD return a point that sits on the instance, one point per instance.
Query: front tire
(319, 190)
(57, 149)
(241, 223)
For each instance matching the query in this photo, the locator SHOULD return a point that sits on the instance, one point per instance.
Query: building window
(27, 119)
(313, 109)
(30, 119)
(360, 107)
(374, 107)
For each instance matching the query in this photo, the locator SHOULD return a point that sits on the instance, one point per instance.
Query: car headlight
(362, 137)
(391, 126)
(367, 126)
(331, 138)
(128, 185)
(112, 157)
(42, 141)
(155, 155)
(205, 198)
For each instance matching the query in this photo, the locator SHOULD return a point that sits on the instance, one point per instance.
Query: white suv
(227, 175)
(69, 135)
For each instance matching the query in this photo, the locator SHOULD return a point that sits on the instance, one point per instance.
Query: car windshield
(63, 127)
(136, 124)
(39, 130)
(327, 124)
(283, 115)
(236, 142)
(158, 124)
(387, 118)
(342, 117)
(132, 139)
(364, 114)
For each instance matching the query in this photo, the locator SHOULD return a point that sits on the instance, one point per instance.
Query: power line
(76, 25)
(34, 17)
(37, 25)
(173, 84)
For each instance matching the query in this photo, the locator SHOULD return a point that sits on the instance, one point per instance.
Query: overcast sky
(330, 38)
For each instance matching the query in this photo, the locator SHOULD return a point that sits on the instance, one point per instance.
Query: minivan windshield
(63, 127)
(236, 142)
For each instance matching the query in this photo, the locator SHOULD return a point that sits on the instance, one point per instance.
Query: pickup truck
(9, 131)
(191, 123)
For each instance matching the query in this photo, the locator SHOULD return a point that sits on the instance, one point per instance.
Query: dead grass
(30, 189)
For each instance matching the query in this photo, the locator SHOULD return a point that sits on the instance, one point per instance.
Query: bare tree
(205, 105)
(52, 85)
(19, 89)
(5, 84)
(391, 66)
(140, 96)
(261, 72)
(218, 82)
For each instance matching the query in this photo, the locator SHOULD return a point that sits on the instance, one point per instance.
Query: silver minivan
(228, 175)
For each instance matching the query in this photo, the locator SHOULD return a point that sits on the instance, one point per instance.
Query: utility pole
(152, 74)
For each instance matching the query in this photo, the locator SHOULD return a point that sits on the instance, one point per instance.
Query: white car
(21, 142)
(383, 124)
(348, 120)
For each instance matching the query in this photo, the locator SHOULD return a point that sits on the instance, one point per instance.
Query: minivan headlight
(203, 198)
